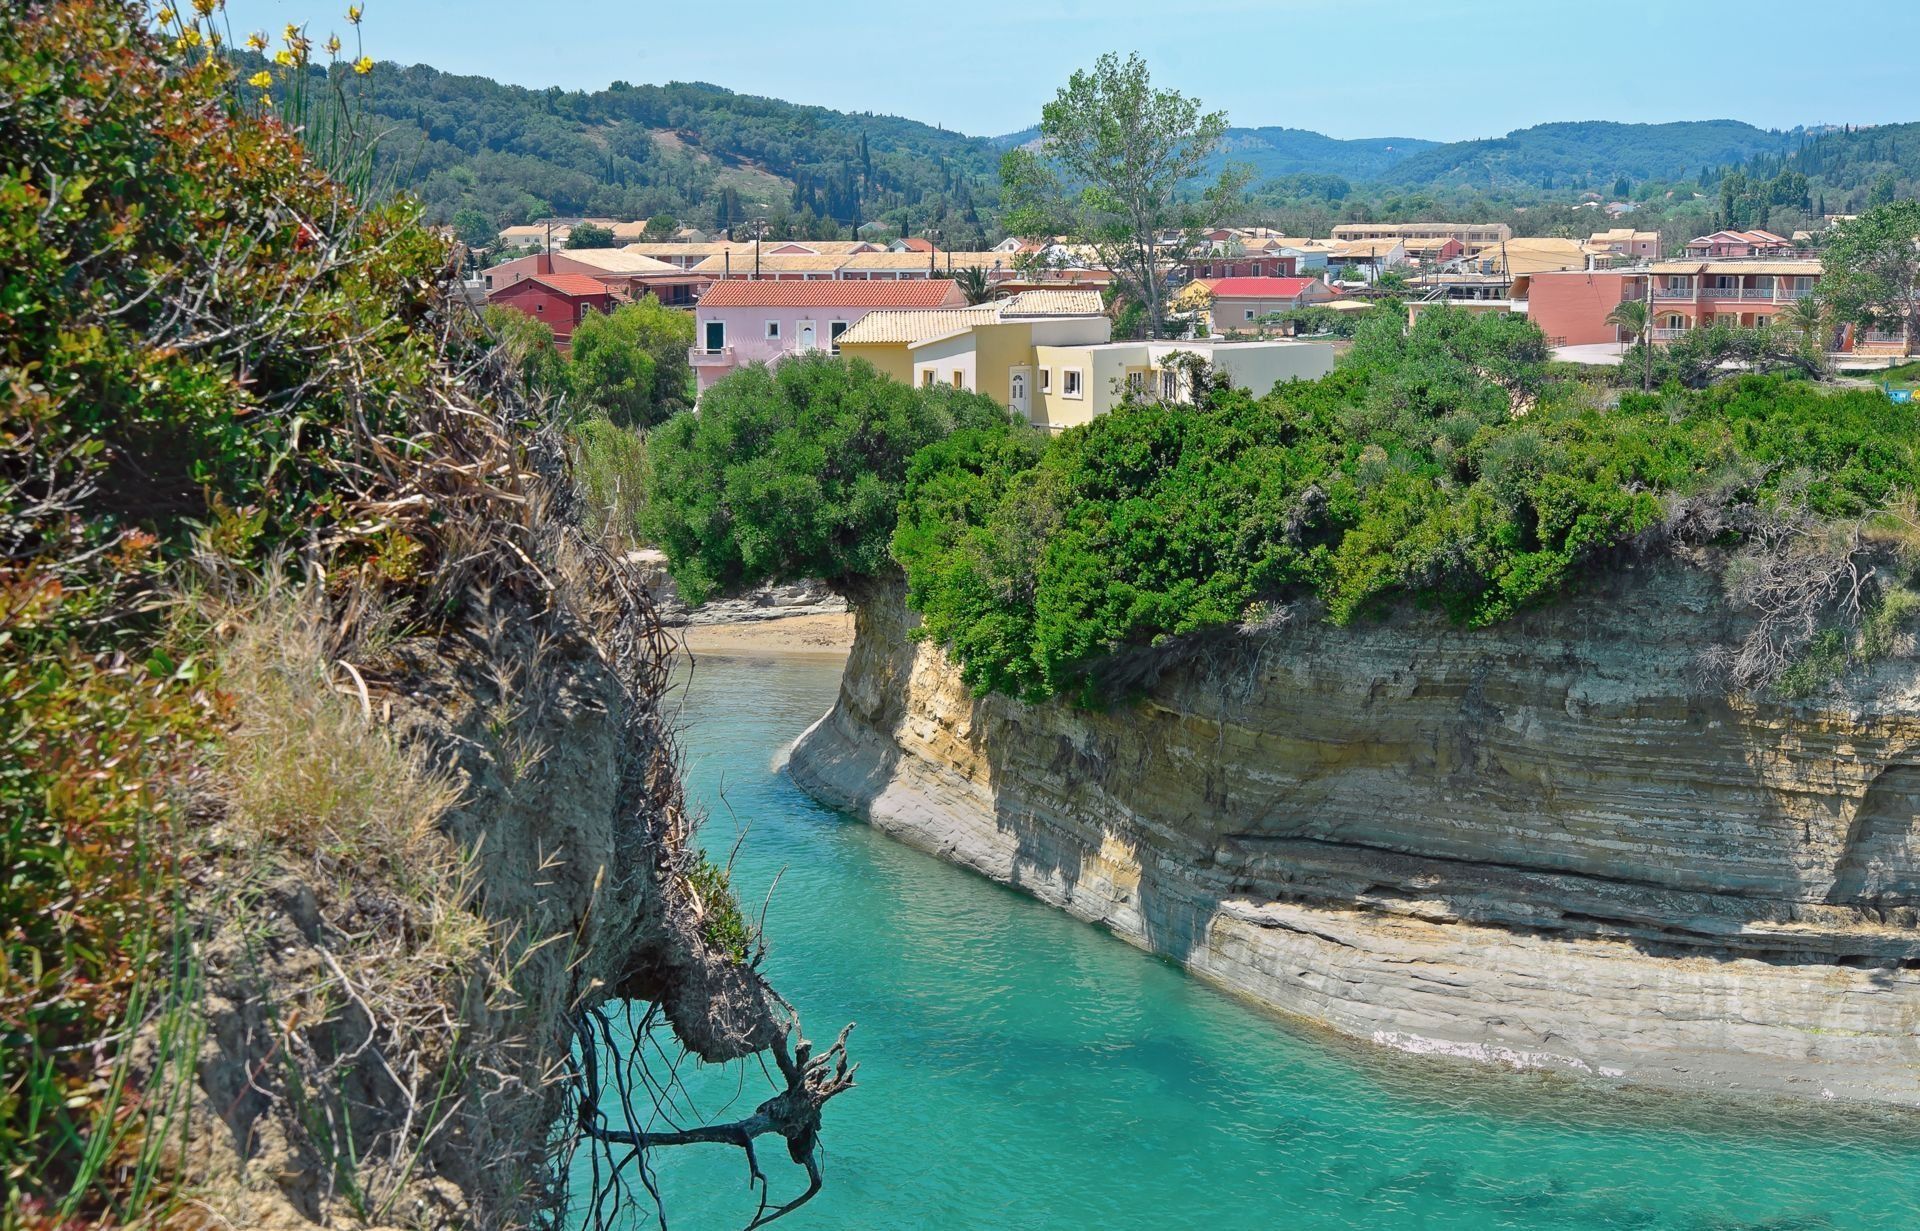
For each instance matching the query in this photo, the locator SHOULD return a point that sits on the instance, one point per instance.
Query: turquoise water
(1022, 1070)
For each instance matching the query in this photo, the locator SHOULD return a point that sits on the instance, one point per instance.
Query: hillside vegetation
(694, 152)
(307, 905)
(1586, 153)
(1446, 467)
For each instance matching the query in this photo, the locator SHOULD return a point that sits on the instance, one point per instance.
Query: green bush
(792, 472)
(631, 364)
(1442, 466)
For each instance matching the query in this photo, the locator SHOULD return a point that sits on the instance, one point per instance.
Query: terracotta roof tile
(859, 293)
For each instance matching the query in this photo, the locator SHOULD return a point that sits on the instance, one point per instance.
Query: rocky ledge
(1548, 844)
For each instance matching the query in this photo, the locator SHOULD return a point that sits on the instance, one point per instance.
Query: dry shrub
(307, 770)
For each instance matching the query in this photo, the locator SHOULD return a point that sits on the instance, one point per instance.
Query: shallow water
(1023, 1070)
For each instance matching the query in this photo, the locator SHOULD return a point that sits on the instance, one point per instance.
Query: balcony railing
(1673, 292)
(1662, 333)
(701, 357)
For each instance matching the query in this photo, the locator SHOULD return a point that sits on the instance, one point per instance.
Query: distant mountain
(1595, 152)
(1559, 155)
(1274, 152)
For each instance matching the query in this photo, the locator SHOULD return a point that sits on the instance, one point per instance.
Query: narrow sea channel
(1023, 1070)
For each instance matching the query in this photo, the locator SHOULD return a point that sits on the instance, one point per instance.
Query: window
(959, 379)
(1169, 385)
(1045, 384)
(1136, 382)
(834, 330)
(716, 336)
(584, 309)
(773, 331)
(1256, 269)
(1070, 382)
(538, 306)
(1249, 313)
(926, 379)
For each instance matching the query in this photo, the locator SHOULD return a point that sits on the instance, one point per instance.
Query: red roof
(1259, 288)
(574, 286)
(916, 244)
(830, 293)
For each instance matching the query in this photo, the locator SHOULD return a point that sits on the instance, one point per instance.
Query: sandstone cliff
(1545, 844)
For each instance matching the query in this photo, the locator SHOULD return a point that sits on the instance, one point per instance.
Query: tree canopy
(631, 363)
(793, 472)
(1114, 170)
(1872, 268)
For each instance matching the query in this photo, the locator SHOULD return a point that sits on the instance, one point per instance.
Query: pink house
(1571, 306)
(741, 321)
(1724, 244)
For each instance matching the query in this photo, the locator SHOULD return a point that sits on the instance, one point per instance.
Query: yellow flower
(257, 40)
(203, 7)
(293, 32)
(353, 14)
(363, 65)
(261, 80)
(191, 36)
(333, 45)
(283, 58)
(166, 16)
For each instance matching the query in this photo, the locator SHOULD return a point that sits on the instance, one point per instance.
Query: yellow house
(987, 349)
(1048, 356)
(1075, 384)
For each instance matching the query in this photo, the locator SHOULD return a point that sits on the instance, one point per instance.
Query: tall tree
(974, 284)
(1113, 170)
(631, 363)
(1872, 268)
(1631, 316)
(590, 235)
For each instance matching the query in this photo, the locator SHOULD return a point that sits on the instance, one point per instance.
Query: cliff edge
(1545, 844)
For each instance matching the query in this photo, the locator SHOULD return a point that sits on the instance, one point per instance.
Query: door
(1017, 391)
(806, 336)
(716, 337)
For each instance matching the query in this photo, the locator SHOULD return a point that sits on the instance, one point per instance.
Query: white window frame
(1071, 383)
(1249, 313)
(773, 331)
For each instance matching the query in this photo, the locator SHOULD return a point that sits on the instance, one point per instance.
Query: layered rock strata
(1548, 844)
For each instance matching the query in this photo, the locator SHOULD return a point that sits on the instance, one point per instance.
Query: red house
(561, 300)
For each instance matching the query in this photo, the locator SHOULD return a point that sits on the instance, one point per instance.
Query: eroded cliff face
(1546, 844)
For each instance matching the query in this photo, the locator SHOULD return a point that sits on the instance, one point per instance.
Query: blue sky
(1445, 69)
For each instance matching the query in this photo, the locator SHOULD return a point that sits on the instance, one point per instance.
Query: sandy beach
(809, 636)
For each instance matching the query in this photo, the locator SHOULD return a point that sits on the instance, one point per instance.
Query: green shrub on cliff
(1443, 467)
(792, 472)
(216, 357)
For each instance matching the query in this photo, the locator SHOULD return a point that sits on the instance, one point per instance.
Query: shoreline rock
(1543, 845)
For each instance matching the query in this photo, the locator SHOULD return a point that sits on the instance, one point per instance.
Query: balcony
(701, 357)
(1664, 334)
(1673, 292)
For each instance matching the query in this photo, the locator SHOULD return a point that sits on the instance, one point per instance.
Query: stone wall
(1546, 844)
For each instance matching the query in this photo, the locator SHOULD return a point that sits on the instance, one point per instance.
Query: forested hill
(1845, 170)
(695, 152)
(1586, 153)
(485, 155)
